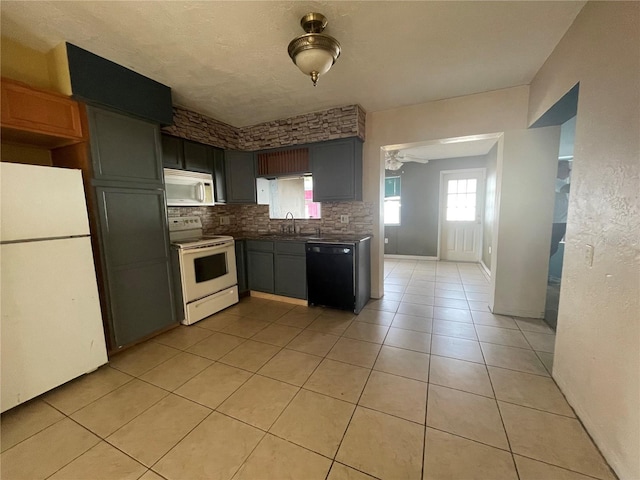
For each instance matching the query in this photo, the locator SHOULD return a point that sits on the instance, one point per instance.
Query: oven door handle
(217, 246)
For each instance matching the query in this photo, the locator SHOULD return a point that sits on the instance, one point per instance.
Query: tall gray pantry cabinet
(126, 160)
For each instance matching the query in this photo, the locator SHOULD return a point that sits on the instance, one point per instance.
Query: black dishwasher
(339, 274)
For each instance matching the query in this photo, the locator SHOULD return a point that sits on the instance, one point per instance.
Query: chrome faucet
(292, 227)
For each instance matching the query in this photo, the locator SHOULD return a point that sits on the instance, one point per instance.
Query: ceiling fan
(394, 159)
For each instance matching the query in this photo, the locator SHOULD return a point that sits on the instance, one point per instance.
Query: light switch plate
(588, 255)
(344, 218)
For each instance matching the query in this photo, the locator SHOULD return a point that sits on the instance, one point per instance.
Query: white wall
(488, 112)
(526, 169)
(597, 360)
(489, 207)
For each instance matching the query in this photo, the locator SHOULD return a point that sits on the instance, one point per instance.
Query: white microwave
(188, 189)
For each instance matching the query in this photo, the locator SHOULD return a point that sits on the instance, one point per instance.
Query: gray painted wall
(418, 230)
(489, 205)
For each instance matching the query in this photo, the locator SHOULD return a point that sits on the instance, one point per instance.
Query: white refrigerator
(51, 326)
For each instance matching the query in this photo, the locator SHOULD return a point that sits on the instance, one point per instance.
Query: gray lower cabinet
(124, 149)
(290, 269)
(336, 167)
(241, 266)
(240, 171)
(260, 268)
(136, 261)
(278, 267)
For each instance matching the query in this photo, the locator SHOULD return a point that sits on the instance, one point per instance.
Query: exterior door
(462, 201)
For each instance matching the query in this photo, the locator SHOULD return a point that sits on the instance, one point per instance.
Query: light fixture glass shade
(314, 60)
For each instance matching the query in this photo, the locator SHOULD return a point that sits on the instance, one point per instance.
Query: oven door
(207, 270)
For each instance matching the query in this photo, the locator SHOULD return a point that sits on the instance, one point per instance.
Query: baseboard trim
(409, 257)
(508, 312)
(486, 269)
(278, 298)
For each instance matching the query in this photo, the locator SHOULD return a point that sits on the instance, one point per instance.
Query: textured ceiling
(228, 59)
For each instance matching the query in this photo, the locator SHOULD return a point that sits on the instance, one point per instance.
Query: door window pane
(461, 200)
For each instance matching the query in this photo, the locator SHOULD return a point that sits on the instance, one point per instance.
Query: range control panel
(177, 224)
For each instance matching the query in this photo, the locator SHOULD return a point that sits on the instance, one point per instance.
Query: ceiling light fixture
(315, 52)
(394, 159)
(391, 160)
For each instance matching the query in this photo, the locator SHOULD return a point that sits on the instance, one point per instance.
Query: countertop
(303, 237)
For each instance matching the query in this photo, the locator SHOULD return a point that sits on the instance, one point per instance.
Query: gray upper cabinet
(241, 177)
(336, 167)
(219, 177)
(184, 154)
(172, 152)
(136, 257)
(197, 157)
(126, 158)
(124, 149)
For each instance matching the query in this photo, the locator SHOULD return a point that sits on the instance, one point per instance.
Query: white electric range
(207, 269)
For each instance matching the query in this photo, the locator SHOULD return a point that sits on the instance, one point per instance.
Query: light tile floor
(423, 384)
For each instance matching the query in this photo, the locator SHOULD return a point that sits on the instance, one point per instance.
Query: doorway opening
(412, 192)
(461, 214)
(559, 228)
(562, 113)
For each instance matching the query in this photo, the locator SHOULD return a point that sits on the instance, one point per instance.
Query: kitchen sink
(284, 236)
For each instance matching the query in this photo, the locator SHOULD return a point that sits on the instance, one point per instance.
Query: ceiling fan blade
(413, 158)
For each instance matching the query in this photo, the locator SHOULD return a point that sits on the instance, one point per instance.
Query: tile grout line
(426, 405)
(357, 405)
(504, 428)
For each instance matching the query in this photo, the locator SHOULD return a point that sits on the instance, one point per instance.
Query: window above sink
(288, 194)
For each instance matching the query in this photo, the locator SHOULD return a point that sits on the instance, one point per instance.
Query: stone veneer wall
(197, 127)
(340, 122)
(255, 219)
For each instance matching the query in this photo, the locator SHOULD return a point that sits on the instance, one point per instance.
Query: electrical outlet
(225, 220)
(489, 249)
(386, 240)
(344, 218)
(588, 255)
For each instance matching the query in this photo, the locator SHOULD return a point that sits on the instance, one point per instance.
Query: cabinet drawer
(293, 248)
(259, 246)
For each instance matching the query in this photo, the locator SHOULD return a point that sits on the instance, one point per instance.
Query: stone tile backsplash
(255, 219)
